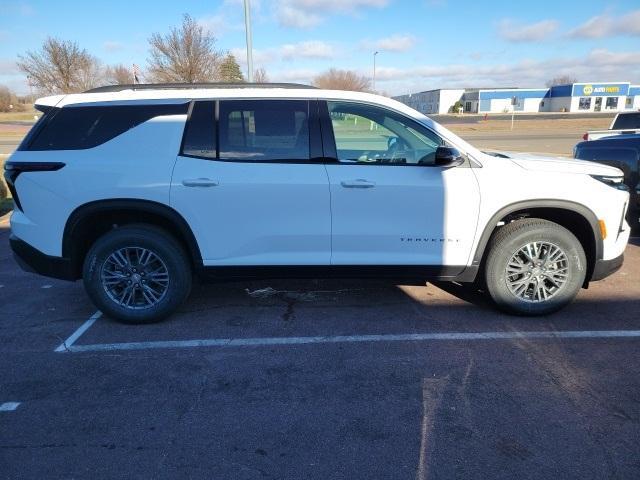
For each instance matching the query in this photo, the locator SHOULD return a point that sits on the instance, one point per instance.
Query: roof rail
(189, 86)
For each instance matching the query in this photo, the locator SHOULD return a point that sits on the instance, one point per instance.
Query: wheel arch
(91, 220)
(577, 218)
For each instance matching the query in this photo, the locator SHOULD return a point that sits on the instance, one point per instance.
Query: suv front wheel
(137, 274)
(534, 267)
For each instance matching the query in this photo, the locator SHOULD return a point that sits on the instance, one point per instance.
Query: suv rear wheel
(534, 267)
(137, 274)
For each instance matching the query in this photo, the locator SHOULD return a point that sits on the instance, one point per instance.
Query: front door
(390, 204)
(253, 197)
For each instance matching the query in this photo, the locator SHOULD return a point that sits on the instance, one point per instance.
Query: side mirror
(448, 157)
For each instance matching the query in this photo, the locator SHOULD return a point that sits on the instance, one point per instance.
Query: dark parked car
(622, 151)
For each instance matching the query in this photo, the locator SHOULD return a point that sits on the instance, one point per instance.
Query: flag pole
(247, 26)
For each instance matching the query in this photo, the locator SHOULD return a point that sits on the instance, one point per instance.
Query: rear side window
(78, 128)
(200, 134)
(264, 130)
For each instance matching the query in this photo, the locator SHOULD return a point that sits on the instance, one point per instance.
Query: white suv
(136, 189)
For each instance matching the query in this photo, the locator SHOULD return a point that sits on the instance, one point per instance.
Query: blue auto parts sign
(600, 89)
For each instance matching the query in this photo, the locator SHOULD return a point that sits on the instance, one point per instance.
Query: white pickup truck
(624, 123)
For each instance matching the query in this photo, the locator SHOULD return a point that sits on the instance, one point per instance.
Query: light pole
(374, 70)
(247, 27)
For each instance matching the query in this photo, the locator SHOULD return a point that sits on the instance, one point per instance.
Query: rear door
(390, 204)
(247, 184)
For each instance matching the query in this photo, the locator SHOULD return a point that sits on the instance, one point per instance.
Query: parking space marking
(68, 343)
(410, 337)
(9, 406)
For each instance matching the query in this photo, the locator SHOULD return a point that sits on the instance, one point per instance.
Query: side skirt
(406, 274)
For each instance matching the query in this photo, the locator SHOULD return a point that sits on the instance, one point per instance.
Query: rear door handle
(199, 182)
(359, 183)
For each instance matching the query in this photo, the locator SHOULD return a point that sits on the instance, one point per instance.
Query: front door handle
(199, 182)
(359, 183)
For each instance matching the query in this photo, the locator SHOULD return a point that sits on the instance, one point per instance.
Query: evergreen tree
(229, 70)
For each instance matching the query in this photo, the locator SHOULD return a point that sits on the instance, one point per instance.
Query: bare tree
(119, 75)
(561, 80)
(6, 99)
(186, 54)
(61, 66)
(260, 76)
(90, 74)
(335, 79)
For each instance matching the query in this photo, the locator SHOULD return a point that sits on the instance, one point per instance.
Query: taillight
(585, 136)
(13, 169)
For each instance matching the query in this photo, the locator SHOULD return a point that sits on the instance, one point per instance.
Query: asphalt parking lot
(319, 379)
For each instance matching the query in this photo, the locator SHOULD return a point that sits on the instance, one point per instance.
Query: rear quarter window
(78, 128)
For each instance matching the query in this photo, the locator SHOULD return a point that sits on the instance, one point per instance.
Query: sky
(422, 44)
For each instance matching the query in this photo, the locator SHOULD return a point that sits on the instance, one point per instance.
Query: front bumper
(31, 259)
(604, 268)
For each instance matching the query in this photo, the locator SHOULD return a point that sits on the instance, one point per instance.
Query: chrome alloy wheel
(135, 278)
(537, 271)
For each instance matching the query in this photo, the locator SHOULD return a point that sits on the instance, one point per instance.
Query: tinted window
(46, 115)
(77, 128)
(200, 134)
(628, 120)
(626, 159)
(368, 134)
(264, 130)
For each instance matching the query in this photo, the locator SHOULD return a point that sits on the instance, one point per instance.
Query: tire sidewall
(163, 246)
(502, 253)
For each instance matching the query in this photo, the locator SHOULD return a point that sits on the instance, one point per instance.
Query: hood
(541, 163)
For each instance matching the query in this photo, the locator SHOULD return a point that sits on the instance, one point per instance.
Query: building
(595, 97)
(432, 101)
(575, 97)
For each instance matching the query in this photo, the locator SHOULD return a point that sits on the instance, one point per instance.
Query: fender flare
(542, 203)
(132, 205)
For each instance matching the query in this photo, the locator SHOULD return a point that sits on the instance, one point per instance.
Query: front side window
(367, 134)
(264, 130)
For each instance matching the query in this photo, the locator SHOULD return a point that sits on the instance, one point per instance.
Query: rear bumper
(31, 259)
(604, 268)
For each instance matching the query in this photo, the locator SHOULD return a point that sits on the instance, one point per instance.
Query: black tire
(508, 241)
(162, 245)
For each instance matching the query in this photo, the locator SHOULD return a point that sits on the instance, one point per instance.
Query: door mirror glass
(448, 157)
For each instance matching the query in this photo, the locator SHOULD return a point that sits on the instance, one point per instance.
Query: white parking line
(64, 346)
(410, 337)
(9, 406)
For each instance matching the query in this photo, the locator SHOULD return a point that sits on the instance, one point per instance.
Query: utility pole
(374, 70)
(247, 27)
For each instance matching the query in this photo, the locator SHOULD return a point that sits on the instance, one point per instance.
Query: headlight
(615, 182)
